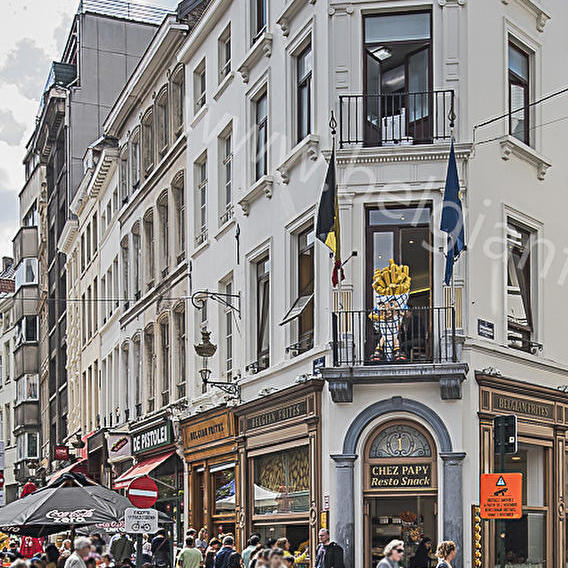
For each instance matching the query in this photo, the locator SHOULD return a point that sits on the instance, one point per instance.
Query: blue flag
(452, 216)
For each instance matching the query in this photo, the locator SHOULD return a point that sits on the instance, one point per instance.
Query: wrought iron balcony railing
(392, 119)
(394, 336)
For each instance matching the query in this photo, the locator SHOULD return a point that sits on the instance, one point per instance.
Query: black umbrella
(73, 501)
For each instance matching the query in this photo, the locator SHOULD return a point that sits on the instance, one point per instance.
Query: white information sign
(140, 521)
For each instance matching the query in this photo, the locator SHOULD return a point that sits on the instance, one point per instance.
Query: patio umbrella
(72, 502)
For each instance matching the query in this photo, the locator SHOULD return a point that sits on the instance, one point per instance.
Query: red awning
(77, 467)
(140, 469)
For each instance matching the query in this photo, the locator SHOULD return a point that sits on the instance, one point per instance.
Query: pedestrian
(122, 549)
(161, 550)
(211, 552)
(328, 553)
(235, 560)
(82, 547)
(13, 552)
(222, 557)
(189, 557)
(393, 553)
(19, 563)
(107, 561)
(201, 540)
(284, 544)
(270, 543)
(66, 546)
(253, 542)
(446, 552)
(275, 558)
(98, 542)
(288, 561)
(52, 555)
(422, 557)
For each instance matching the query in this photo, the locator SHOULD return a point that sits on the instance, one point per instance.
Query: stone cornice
(287, 15)
(535, 8)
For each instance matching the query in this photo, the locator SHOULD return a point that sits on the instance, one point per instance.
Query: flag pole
(333, 129)
(452, 119)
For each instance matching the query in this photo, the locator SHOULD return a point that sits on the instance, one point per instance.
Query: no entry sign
(501, 495)
(142, 492)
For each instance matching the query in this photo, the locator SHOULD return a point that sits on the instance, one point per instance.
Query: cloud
(11, 131)
(8, 213)
(61, 32)
(26, 66)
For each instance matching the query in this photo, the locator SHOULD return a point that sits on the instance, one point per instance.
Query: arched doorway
(400, 489)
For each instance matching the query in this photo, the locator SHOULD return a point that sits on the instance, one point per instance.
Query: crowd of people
(198, 552)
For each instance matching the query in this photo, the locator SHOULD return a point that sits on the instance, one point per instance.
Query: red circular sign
(142, 492)
(1, 479)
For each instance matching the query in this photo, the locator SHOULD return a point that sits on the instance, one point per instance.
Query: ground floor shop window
(224, 486)
(298, 536)
(282, 482)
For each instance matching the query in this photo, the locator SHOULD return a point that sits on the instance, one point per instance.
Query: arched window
(148, 141)
(162, 121)
(178, 91)
(164, 233)
(150, 364)
(178, 191)
(149, 248)
(134, 161)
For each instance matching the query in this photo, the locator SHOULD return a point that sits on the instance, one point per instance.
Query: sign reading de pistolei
(154, 437)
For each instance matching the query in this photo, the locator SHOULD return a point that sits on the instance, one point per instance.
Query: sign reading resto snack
(415, 475)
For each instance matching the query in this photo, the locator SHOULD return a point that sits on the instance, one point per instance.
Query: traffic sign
(501, 495)
(142, 492)
(2, 480)
(140, 521)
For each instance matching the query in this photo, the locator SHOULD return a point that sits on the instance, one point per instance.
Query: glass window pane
(304, 63)
(518, 116)
(525, 541)
(383, 249)
(282, 482)
(224, 491)
(529, 460)
(518, 62)
(403, 216)
(397, 27)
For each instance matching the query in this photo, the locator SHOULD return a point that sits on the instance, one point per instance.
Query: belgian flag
(327, 228)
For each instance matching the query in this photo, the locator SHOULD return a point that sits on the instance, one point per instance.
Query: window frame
(178, 99)
(135, 160)
(164, 244)
(513, 79)
(201, 189)
(225, 54)
(261, 131)
(179, 195)
(148, 141)
(123, 174)
(262, 288)
(226, 208)
(150, 246)
(303, 83)
(199, 87)
(259, 19)
(162, 121)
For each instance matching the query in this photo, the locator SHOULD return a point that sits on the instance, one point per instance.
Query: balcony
(396, 119)
(26, 359)
(25, 302)
(400, 345)
(25, 244)
(26, 414)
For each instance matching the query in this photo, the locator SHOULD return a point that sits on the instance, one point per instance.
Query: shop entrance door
(408, 518)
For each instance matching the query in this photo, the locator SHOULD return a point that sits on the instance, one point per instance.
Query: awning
(140, 469)
(77, 467)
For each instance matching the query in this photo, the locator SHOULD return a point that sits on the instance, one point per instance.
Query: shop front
(539, 538)
(154, 449)
(280, 464)
(211, 453)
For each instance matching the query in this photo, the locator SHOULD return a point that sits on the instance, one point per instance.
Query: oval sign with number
(142, 492)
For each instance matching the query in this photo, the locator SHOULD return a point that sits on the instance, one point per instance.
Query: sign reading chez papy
(400, 475)
(205, 431)
(515, 405)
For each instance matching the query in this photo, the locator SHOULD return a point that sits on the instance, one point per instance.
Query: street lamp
(205, 350)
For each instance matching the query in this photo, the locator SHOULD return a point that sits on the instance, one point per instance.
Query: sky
(33, 34)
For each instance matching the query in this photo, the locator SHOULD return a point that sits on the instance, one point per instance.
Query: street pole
(501, 438)
(138, 551)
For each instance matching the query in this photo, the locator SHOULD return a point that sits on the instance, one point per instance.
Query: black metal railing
(393, 336)
(422, 117)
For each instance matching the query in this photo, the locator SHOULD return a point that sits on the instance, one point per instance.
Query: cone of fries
(392, 290)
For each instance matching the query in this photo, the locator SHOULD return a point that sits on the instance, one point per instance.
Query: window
(95, 307)
(115, 280)
(519, 117)
(88, 243)
(199, 87)
(261, 110)
(179, 197)
(89, 313)
(137, 363)
(134, 162)
(520, 328)
(162, 122)
(109, 211)
(228, 332)
(178, 98)
(26, 330)
(1, 370)
(94, 223)
(83, 318)
(115, 201)
(27, 388)
(149, 237)
(397, 80)
(136, 260)
(26, 273)
(123, 175)
(303, 307)
(125, 378)
(148, 141)
(165, 359)
(262, 312)
(125, 273)
(226, 198)
(104, 298)
(181, 352)
(259, 18)
(8, 424)
(164, 233)
(225, 53)
(304, 92)
(150, 369)
(201, 225)
(27, 446)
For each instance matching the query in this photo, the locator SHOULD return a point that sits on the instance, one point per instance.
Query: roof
(125, 10)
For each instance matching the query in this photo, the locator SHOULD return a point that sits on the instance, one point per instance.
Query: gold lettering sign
(401, 476)
(278, 415)
(514, 405)
(206, 431)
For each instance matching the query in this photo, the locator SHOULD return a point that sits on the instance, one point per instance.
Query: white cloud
(11, 131)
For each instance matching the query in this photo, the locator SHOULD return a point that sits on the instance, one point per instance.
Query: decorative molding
(450, 377)
(384, 154)
(107, 160)
(262, 186)
(444, 3)
(540, 14)
(309, 146)
(287, 15)
(68, 235)
(262, 46)
(511, 146)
